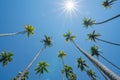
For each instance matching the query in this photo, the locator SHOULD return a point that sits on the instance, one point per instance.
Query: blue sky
(46, 17)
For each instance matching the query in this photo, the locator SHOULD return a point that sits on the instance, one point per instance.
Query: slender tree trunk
(110, 62)
(107, 42)
(63, 68)
(12, 34)
(30, 64)
(111, 75)
(105, 77)
(108, 19)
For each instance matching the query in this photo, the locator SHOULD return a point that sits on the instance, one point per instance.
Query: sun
(69, 7)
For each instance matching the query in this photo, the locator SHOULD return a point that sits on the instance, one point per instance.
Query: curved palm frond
(94, 51)
(107, 3)
(6, 57)
(88, 22)
(47, 41)
(92, 75)
(30, 30)
(92, 36)
(41, 67)
(81, 64)
(61, 54)
(69, 36)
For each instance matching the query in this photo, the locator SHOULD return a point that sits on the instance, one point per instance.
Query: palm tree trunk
(12, 34)
(108, 42)
(105, 77)
(111, 75)
(30, 64)
(110, 62)
(63, 68)
(112, 1)
(108, 19)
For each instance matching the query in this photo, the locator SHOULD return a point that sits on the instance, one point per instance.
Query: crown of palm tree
(88, 22)
(24, 77)
(61, 54)
(72, 76)
(92, 36)
(69, 36)
(69, 72)
(91, 74)
(94, 51)
(29, 29)
(41, 67)
(5, 57)
(107, 3)
(47, 41)
(81, 64)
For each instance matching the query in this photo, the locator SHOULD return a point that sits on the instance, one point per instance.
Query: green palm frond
(82, 64)
(6, 57)
(29, 29)
(41, 67)
(88, 22)
(61, 54)
(92, 36)
(107, 3)
(69, 36)
(94, 51)
(47, 41)
(91, 74)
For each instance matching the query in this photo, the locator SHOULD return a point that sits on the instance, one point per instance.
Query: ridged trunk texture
(111, 75)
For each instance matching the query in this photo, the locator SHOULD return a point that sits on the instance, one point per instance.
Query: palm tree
(94, 36)
(62, 54)
(92, 75)
(82, 64)
(41, 67)
(47, 42)
(5, 58)
(108, 3)
(95, 52)
(69, 72)
(89, 22)
(102, 67)
(29, 29)
(24, 77)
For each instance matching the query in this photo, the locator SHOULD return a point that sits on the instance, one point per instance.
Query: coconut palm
(5, 58)
(70, 75)
(41, 67)
(24, 77)
(62, 54)
(29, 29)
(47, 42)
(102, 67)
(95, 52)
(108, 3)
(94, 36)
(90, 22)
(92, 75)
(81, 64)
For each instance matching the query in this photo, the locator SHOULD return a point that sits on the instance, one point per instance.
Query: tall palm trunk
(111, 75)
(12, 34)
(30, 64)
(108, 42)
(105, 77)
(110, 62)
(63, 68)
(108, 19)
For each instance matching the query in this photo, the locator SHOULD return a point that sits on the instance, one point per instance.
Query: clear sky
(48, 18)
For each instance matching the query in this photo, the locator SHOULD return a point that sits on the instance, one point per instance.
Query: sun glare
(70, 7)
